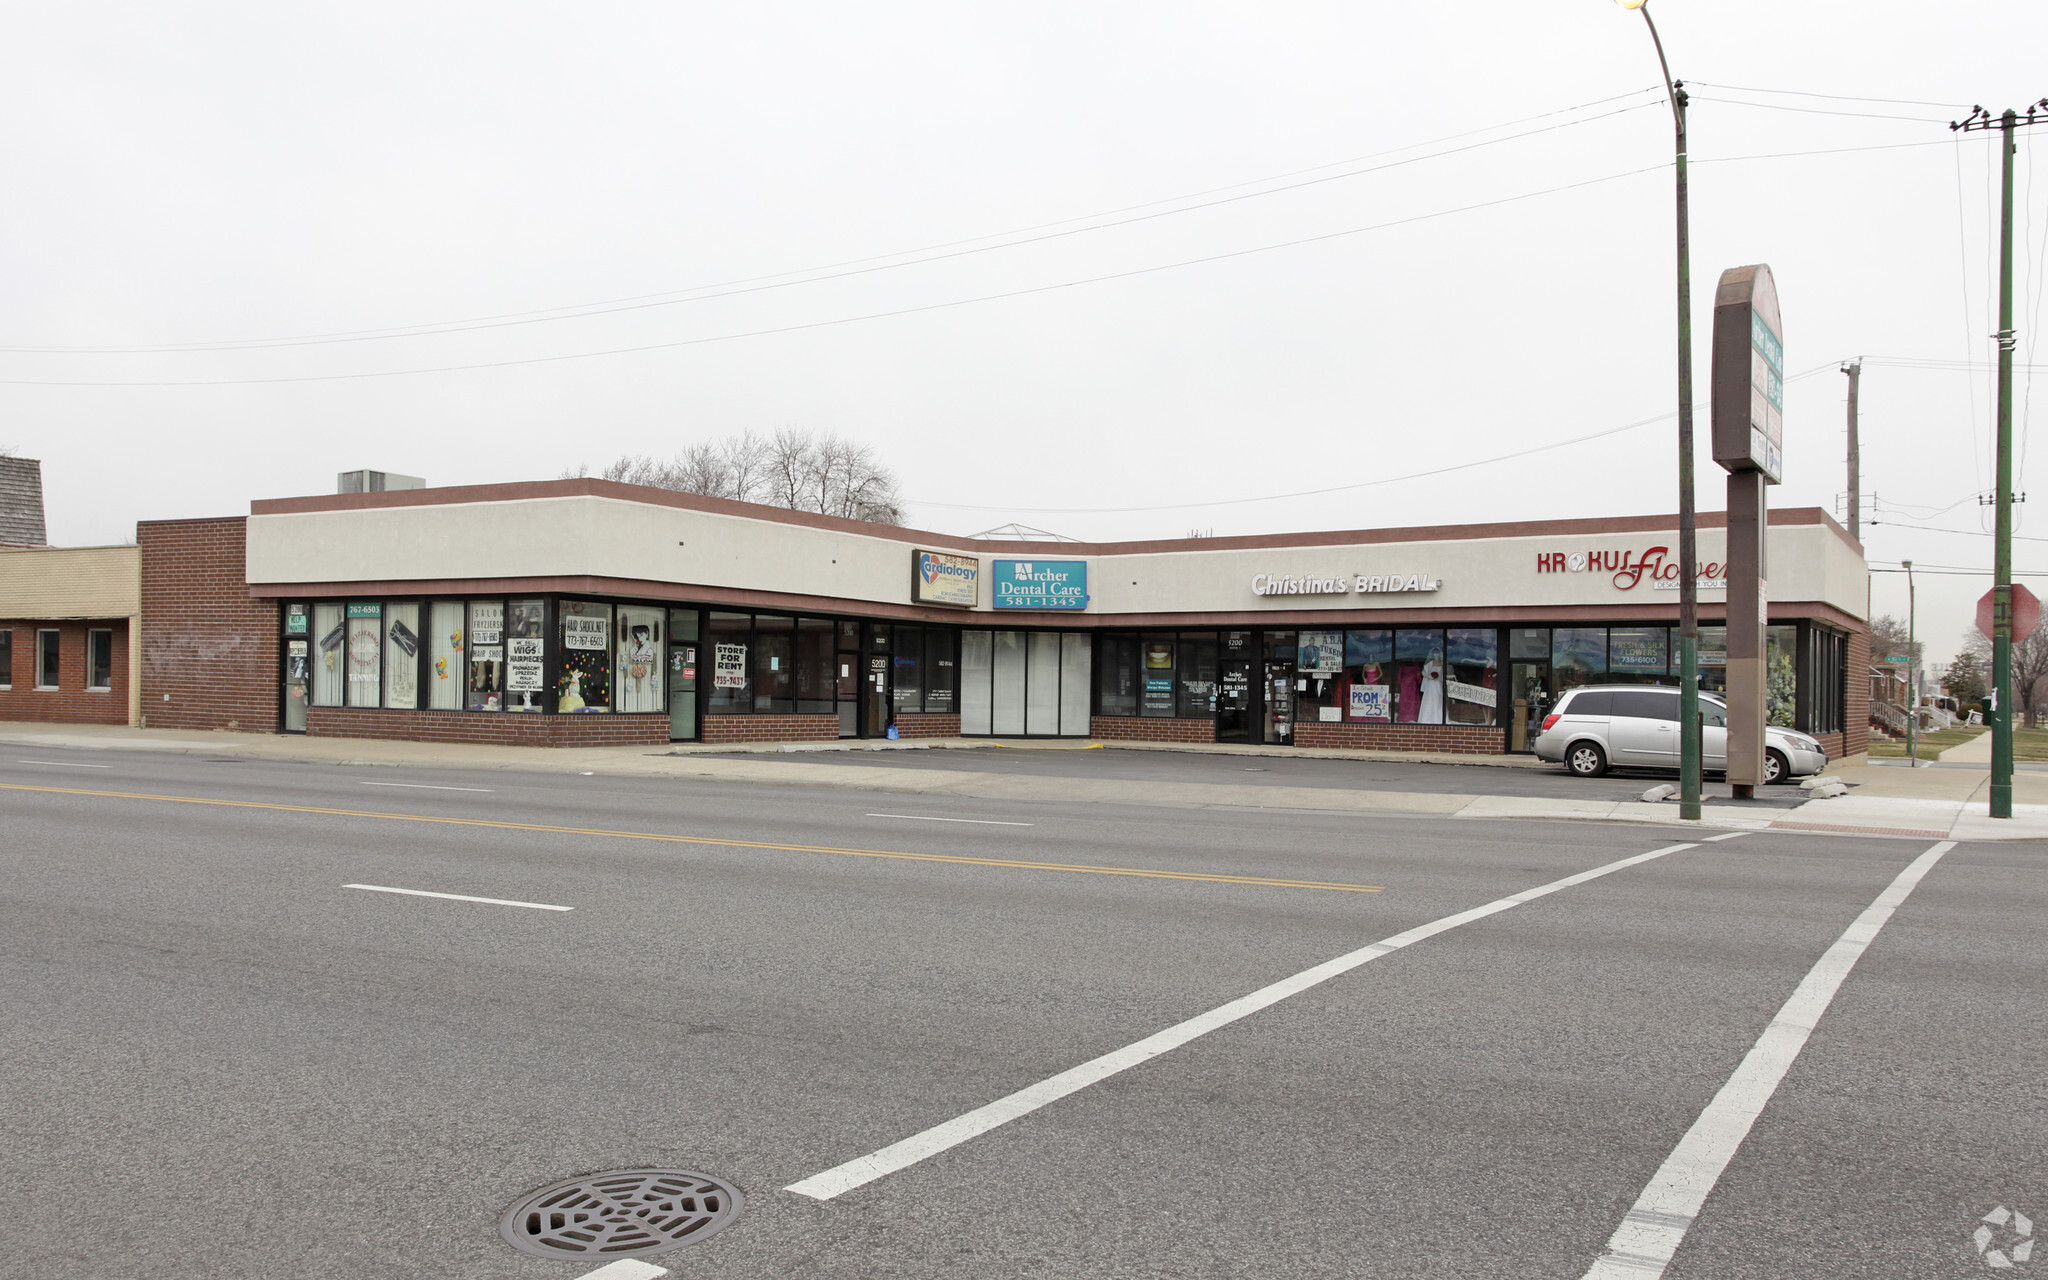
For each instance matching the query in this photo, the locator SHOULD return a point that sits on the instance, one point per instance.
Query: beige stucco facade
(64, 583)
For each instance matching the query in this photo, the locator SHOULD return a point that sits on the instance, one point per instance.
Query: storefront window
(774, 664)
(486, 642)
(1319, 672)
(940, 672)
(1369, 676)
(1472, 686)
(365, 653)
(637, 671)
(1781, 681)
(445, 678)
(526, 655)
(816, 688)
(1578, 655)
(1638, 655)
(729, 638)
(330, 632)
(1713, 659)
(584, 683)
(1529, 644)
(1419, 677)
(908, 692)
(977, 675)
(1158, 651)
(1116, 675)
(402, 656)
(1197, 676)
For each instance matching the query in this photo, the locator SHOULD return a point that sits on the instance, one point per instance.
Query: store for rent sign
(1040, 584)
(1630, 569)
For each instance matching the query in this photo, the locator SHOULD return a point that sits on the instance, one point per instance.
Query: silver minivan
(1599, 727)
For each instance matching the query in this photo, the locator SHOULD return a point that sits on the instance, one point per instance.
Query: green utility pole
(1689, 791)
(1912, 671)
(2001, 581)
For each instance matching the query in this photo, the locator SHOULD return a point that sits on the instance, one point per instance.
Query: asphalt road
(220, 1062)
(1282, 771)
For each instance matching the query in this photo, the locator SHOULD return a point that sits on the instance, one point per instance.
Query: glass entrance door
(1279, 717)
(1234, 700)
(682, 674)
(1529, 686)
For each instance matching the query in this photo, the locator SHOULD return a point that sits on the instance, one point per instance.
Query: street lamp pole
(1688, 521)
(1912, 671)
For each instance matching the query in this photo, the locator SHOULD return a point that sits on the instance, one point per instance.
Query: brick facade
(209, 648)
(1855, 736)
(70, 702)
(503, 729)
(927, 724)
(1453, 739)
(771, 728)
(1152, 729)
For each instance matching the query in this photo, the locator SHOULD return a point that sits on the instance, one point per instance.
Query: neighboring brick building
(67, 621)
(209, 648)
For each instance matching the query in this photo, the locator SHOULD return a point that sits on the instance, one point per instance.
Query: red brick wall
(1855, 737)
(1460, 739)
(209, 649)
(1152, 729)
(927, 724)
(771, 728)
(495, 728)
(70, 702)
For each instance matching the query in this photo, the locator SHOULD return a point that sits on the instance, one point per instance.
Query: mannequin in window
(1432, 692)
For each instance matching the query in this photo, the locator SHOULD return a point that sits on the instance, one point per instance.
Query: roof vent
(375, 482)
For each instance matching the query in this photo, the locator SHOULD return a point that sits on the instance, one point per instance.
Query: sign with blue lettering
(1040, 584)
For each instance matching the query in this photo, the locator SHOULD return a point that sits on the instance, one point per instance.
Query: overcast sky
(215, 175)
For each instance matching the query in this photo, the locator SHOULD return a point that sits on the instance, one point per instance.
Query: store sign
(1749, 373)
(1630, 569)
(1371, 702)
(486, 622)
(295, 620)
(523, 665)
(1040, 584)
(1320, 653)
(1365, 584)
(940, 578)
(585, 632)
(1477, 694)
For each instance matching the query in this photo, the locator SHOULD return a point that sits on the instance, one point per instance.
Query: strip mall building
(582, 612)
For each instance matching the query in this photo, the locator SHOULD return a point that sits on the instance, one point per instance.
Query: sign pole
(1912, 672)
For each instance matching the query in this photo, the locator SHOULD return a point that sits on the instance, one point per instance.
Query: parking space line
(457, 897)
(941, 1137)
(1651, 1231)
(66, 764)
(980, 822)
(662, 837)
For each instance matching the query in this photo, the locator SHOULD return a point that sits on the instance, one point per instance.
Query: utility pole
(1981, 120)
(1912, 672)
(1855, 371)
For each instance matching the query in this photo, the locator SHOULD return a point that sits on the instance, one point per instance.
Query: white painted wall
(610, 537)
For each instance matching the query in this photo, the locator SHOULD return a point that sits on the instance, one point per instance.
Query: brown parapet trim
(590, 487)
(145, 524)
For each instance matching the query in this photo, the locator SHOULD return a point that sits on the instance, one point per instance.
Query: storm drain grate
(627, 1213)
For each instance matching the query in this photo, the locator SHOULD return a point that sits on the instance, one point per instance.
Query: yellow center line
(1262, 881)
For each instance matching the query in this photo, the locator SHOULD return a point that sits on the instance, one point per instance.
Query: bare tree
(796, 468)
(2029, 668)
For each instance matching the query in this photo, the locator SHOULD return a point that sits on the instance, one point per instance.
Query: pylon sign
(1749, 373)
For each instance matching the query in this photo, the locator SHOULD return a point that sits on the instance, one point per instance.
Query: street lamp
(1688, 523)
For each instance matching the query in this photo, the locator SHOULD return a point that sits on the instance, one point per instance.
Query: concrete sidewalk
(1886, 800)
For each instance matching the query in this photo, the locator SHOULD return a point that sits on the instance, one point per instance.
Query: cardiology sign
(1040, 584)
(942, 579)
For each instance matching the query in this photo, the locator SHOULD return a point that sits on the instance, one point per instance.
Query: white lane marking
(1641, 1247)
(425, 786)
(66, 764)
(1725, 835)
(920, 1146)
(984, 822)
(625, 1269)
(457, 897)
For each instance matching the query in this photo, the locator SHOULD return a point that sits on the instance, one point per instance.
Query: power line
(1974, 533)
(835, 321)
(871, 265)
(1819, 111)
(1832, 97)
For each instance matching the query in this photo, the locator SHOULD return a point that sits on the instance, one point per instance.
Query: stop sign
(2026, 612)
